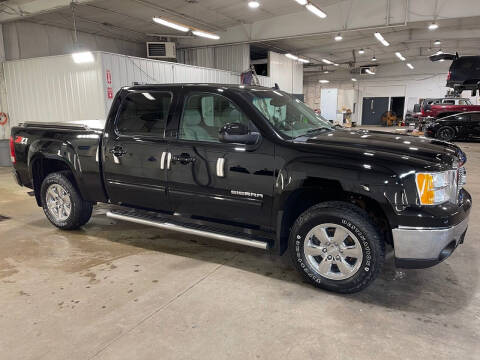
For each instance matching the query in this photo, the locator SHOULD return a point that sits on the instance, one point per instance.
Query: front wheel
(62, 203)
(336, 247)
(446, 133)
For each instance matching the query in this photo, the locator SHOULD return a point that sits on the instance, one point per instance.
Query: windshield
(288, 115)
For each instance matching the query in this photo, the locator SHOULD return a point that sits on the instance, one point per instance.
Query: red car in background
(439, 108)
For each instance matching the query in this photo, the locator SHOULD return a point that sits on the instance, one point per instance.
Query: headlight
(435, 188)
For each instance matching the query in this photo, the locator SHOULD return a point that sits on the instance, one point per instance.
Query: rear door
(474, 127)
(135, 150)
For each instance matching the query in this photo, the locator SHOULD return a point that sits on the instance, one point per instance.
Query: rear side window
(144, 113)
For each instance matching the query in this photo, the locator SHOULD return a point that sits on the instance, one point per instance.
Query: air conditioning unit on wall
(161, 50)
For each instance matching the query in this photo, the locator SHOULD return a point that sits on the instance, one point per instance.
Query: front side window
(205, 114)
(144, 113)
(288, 115)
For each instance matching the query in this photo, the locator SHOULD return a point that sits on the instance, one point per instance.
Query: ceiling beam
(10, 10)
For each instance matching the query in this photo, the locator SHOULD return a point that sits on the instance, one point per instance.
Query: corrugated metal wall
(53, 89)
(56, 89)
(233, 57)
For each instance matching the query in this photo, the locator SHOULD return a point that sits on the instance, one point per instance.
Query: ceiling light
(339, 37)
(437, 42)
(381, 39)
(361, 51)
(368, 71)
(291, 56)
(400, 56)
(335, 64)
(326, 61)
(205, 34)
(253, 4)
(83, 57)
(410, 66)
(326, 72)
(315, 10)
(302, 2)
(354, 80)
(374, 58)
(323, 81)
(171, 24)
(433, 26)
(305, 61)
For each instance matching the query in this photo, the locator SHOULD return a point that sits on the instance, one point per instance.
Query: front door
(214, 181)
(373, 109)
(135, 151)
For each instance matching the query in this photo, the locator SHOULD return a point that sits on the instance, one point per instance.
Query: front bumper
(417, 247)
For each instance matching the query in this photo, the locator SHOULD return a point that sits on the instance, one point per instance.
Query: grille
(157, 49)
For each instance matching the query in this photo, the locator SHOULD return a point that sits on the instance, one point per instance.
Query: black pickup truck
(253, 166)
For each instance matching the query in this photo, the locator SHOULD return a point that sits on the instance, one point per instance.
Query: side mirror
(236, 133)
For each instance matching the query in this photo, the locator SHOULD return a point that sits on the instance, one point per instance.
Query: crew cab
(253, 166)
(439, 108)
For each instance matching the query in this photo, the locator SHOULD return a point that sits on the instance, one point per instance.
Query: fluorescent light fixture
(305, 61)
(335, 64)
(433, 26)
(374, 58)
(302, 2)
(253, 4)
(315, 10)
(400, 56)
(368, 71)
(291, 56)
(83, 57)
(410, 66)
(338, 37)
(323, 81)
(361, 51)
(171, 24)
(437, 42)
(381, 39)
(205, 34)
(326, 61)
(354, 80)
(326, 72)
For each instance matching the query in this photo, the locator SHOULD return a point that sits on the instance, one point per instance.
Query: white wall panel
(286, 72)
(56, 89)
(53, 89)
(233, 58)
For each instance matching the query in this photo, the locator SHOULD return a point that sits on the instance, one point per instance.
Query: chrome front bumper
(425, 247)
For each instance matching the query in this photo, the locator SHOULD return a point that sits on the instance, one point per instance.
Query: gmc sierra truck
(253, 166)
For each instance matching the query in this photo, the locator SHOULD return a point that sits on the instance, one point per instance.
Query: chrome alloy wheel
(333, 251)
(58, 201)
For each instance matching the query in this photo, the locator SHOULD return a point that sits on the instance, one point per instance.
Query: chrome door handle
(221, 167)
(165, 156)
(117, 151)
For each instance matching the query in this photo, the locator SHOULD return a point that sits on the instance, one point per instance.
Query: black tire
(348, 217)
(446, 133)
(81, 210)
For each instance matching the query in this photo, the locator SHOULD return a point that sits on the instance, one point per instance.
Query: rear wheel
(62, 203)
(446, 133)
(336, 247)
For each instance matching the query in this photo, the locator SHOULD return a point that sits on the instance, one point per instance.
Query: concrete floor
(117, 290)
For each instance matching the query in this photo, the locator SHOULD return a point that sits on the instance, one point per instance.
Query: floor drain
(3, 218)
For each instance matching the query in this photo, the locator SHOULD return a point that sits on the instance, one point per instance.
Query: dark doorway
(373, 109)
(398, 106)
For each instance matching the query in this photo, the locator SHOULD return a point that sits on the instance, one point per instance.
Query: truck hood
(427, 153)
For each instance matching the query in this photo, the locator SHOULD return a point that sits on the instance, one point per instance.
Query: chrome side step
(187, 230)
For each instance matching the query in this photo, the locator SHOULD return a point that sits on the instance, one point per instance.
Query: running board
(187, 230)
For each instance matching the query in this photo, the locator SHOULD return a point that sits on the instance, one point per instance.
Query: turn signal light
(433, 188)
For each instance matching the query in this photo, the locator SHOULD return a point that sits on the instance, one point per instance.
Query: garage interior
(119, 290)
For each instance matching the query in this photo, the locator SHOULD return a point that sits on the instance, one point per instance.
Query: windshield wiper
(314, 131)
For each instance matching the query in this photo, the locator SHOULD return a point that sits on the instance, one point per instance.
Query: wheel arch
(305, 197)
